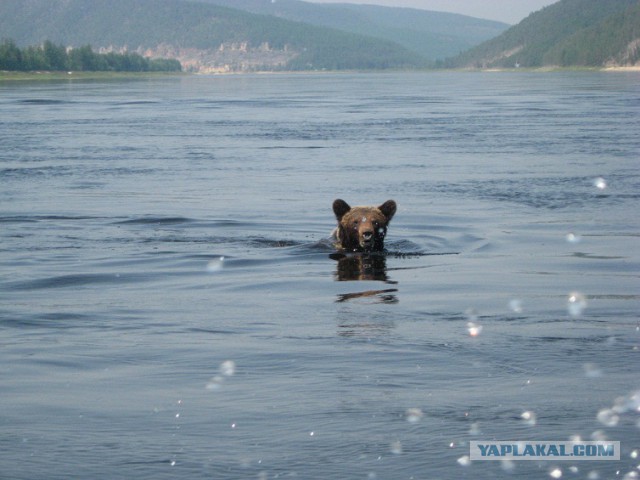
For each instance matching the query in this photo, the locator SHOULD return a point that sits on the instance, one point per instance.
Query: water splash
(465, 461)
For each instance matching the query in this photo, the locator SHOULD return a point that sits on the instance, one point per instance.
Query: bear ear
(388, 209)
(340, 207)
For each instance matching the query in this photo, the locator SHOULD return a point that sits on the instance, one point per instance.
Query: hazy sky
(509, 11)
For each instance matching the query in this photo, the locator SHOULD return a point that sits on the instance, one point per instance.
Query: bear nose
(367, 235)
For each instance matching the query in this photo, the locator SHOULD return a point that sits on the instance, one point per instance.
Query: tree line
(51, 57)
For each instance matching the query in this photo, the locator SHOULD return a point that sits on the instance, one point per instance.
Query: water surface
(170, 306)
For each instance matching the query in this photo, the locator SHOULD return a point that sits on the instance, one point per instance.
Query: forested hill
(434, 35)
(202, 36)
(592, 33)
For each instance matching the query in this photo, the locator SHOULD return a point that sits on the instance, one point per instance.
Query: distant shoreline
(45, 75)
(41, 76)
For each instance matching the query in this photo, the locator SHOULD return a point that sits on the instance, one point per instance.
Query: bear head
(362, 229)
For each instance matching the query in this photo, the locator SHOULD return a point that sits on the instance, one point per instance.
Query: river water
(170, 306)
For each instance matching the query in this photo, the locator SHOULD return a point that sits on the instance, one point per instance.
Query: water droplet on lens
(529, 418)
(576, 303)
(591, 370)
(508, 465)
(215, 265)
(573, 238)
(413, 415)
(396, 447)
(472, 314)
(599, 436)
(474, 429)
(215, 383)
(608, 417)
(515, 305)
(474, 329)
(465, 461)
(555, 473)
(228, 368)
(600, 183)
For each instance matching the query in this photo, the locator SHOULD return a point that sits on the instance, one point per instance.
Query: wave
(74, 280)
(155, 220)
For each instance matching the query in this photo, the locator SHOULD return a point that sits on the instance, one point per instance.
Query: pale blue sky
(509, 11)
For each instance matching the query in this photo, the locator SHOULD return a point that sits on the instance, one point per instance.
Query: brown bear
(362, 229)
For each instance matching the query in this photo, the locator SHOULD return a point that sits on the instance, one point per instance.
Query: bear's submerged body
(362, 229)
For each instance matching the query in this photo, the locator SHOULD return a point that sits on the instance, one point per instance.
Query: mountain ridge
(583, 33)
(204, 37)
(434, 35)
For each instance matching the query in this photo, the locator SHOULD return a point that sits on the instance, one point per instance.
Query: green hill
(202, 36)
(567, 33)
(434, 35)
(612, 42)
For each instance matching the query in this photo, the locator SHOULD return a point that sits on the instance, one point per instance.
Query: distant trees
(51, 57)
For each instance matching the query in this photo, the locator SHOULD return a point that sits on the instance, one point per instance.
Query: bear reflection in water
(360, 266)
(363, 266)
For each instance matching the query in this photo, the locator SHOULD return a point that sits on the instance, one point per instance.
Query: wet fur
(362, 229)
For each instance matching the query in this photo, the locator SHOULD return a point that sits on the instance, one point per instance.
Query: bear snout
(369, 240)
